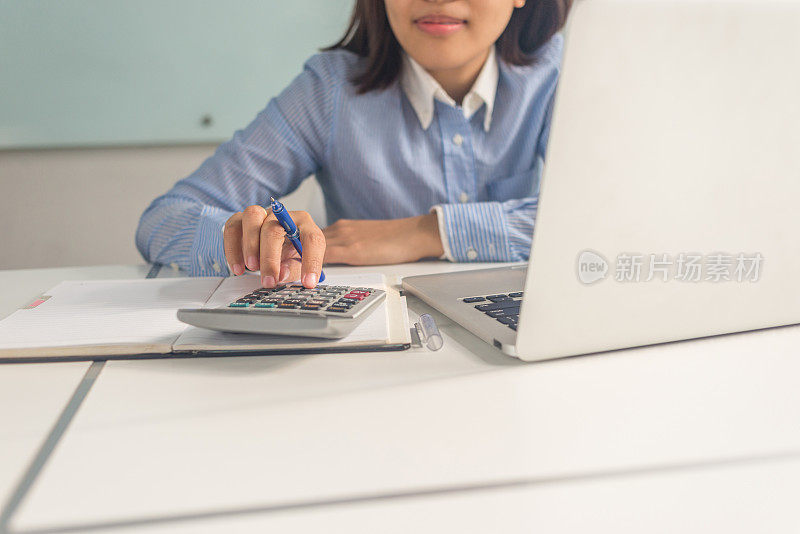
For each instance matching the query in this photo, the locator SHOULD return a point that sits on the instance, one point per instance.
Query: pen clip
(428, 332)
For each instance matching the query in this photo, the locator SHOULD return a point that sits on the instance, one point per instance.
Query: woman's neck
(459, 80)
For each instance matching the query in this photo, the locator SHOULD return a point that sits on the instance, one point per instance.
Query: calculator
(291, 310)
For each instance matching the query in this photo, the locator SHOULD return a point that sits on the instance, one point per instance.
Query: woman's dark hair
(370, 36)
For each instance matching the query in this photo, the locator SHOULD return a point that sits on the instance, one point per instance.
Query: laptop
(670, 201)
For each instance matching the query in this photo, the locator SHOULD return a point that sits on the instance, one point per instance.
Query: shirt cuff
(442, 234)
(208, 248)
(474, 232)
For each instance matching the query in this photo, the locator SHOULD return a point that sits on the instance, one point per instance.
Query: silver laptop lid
(676, 134)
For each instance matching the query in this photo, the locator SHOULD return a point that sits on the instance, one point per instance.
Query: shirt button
(458, 140)
(472, 254)
(463, 198)
(217, 268)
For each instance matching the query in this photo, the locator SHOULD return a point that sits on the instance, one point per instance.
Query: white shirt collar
(422, 89)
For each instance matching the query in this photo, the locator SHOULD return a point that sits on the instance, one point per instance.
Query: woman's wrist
(428, 242)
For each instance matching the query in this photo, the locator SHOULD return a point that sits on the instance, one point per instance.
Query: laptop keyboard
(503, 307)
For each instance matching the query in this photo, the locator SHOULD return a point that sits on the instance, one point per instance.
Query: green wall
(144, 72)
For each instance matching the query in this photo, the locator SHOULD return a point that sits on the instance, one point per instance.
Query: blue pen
(292, 233)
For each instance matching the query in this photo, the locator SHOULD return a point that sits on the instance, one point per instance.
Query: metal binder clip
(428, 332)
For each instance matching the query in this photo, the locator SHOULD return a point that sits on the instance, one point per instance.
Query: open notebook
(137, 319)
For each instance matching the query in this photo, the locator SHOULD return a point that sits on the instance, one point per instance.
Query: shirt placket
(457, 150)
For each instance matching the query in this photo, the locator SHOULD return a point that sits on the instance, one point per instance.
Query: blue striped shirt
(373, 160)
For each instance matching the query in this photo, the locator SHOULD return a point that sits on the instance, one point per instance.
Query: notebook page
(373, 330)
(104, 317)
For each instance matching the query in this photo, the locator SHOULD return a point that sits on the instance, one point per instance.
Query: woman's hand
(383, 242)
(254, 238)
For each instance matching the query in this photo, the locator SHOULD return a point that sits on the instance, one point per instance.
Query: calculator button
(470, 300)
(266, 305)
(337, 310)
(495, 298)
(517, 295)
(286, 306)
(238, 305)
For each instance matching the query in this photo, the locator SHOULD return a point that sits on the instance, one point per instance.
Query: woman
(425, 126)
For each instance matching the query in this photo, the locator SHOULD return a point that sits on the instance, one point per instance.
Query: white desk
(33, 396)
(168, 439)
(31, 399)
(157, 443)
(732, 499)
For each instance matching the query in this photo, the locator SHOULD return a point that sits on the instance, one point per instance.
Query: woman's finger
(290, 270)
(273, 241)
(232, 237)
(252, 219)
(313, 241)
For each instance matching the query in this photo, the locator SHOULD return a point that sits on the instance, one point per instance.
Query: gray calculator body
(292, 310)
